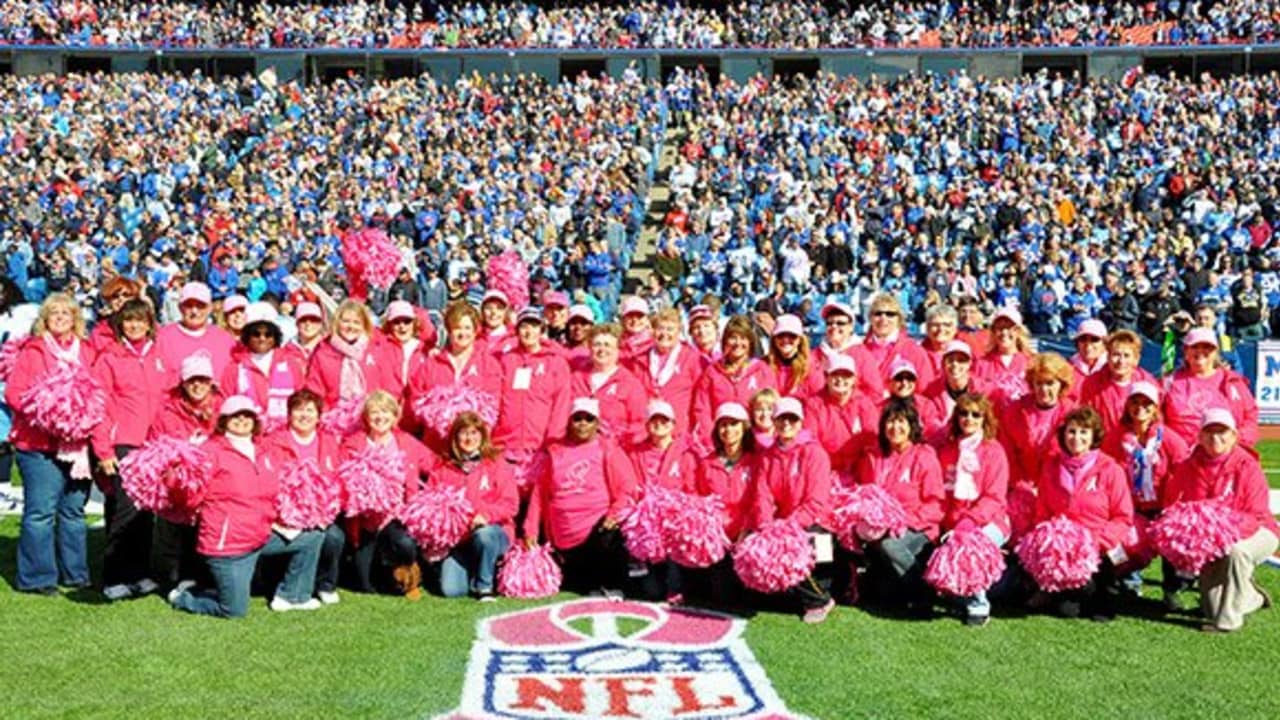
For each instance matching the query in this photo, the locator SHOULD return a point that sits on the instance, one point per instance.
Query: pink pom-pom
(344, 418)
(528, 469)
(508, 272)
(8, 355)
(373, 481)
(865, 512)
(1193, 534)
(1137, 546)
(371, 257)
(308, 498)
(444, 403)
(166, 476)
(694, 530)
(642, 524)
(968, 563)
(66, 403)
(529, 574)
(777, 558)
(438, 517)
(1060, 554)
(1022, 509)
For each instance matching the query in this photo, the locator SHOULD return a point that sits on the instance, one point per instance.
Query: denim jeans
(330, 558)
(379, 553)
(232, 577)
(470, 567)
(898, 564)
(48, 555)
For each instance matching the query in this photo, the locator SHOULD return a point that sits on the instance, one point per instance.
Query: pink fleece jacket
(534, 401)
(581, 484)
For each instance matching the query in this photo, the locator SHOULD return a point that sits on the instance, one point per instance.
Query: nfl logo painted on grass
(572, 660)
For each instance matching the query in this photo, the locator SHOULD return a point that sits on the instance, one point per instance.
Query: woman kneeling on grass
(237, 510)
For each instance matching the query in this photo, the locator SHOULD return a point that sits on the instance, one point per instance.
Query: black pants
(660, 581)
(174, 557)
(599, 562)
(330, 558)
(126, 558)
(378, 553)
(1094, 598)
(895, 569)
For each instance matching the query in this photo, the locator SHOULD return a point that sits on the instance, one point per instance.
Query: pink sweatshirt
(914, 477)
(134, 381)
(1187, 397)
(733, 486)
(793, 481)
(581, 484)
(1101, 392)
(324, 373)
(490, 487)
(981, 499)
(1030, 437)
(623, 403)
(33, 362)
(238, 503)
(1235, 478)
(535, 399)
(176, 343)
(716, 387)
(1100, 500)
(671, 377)
(674, 467)
(904, 348)
(844, 431)
(870, 380)
(270, 390)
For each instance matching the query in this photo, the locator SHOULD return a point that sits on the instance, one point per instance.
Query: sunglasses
(974, 414)
(262, 333)
(904, 378)
(884, 313)
(787, 419)
(582, 419)
(840, 323)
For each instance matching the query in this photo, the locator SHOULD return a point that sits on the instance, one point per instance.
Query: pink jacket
(914, 478)
(671, 379)
(1187, 397)
(178, 418)
(135, 387)
(535, 400)
(793, 481)
(490, 487)
(870, 379)
(903, 347)
(845, 431)
(674, 468)
(176, 344)
(990, 484)
(1172, 450)
(813, 382)
(397, 368)
(238, 504)
(33, 362)
(1100, 500)
(623, 403)
(1005, 384)
(324, 373)
(936, 404)
(480, 372)
(419, 463)
(243, 376)
(1235, 478)
(284, 448)
(715, 387)
(581, 484)
(733, 486)
(1030, 437)
(1101, 392)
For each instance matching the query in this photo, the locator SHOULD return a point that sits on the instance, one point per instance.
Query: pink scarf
(1071, 470)
(76, 454)
(351, 383)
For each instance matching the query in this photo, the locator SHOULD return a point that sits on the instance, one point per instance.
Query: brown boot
(408, 579)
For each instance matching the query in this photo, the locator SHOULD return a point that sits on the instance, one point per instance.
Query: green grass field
(380, 657)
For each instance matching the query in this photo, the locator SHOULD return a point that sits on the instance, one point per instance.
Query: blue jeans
(334, 539)
(232, 577)
(470, 567)
(48, 556)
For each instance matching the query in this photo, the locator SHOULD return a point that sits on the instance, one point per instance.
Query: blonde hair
(670, 315)
(1050, 366)
(767, 394)
(359, 308)
(612, 329)
(53, 302)
(1023, 338)
(887, 301)
(379, 400)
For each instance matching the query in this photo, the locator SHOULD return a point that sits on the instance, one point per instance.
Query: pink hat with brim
(237, 404)
(788, 406)
(553, 298)
(1091, 328)
(699, 312)
(732, 411)
(958, 347)
(308, 310)
(634, 306)
(788, 325)
(587, 405)
(582, 312)
(901, 366)
(1201, 336)
(196, 366)
(496, 295)
(1008, 313)
(832, 308)
(529, 314)
(400, 310)
(1218, 416)
(195, 292)
(1146, 390)
(234, 303)
(839, 362)
(661, 408)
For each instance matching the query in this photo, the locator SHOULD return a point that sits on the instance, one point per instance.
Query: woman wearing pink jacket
(839, 340)
(261, 370)
(888, 342)
(1203, 383)
(670, 368)
(794, 482)
(728, 471)
(1219, 468)
(237, 511)
(461, 362)
(344, 369)
(194, 332)
(577, 501)
(55, 474)
(1108, 389)
(1003, 365)
(474, 465)
(621, 396)
(798, 375)
(842, 418)
(1028, 426)
(663, 460)
(975, 478)
(955, 378)
(907, 468)
(535, 392)
(132, 374)
(736, 377)
(401, 348)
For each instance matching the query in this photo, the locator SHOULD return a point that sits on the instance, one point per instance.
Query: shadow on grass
(89, 595)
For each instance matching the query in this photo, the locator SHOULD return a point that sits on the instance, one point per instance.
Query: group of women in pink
(969, 430)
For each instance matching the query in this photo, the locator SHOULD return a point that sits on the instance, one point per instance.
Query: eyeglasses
(840, 323)
(582, 419)
(974, 414)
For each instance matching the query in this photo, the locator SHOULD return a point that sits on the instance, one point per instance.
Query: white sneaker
(145, 586)
(329, 597)
(279, 604)
(117, 592)
(178, 589)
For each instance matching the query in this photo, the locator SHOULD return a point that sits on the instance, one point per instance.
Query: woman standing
(55, 474)
(791, 361)
(975, 478)
(344, 368)
(670, 368)
(309, 320)
(402, 352)
(260, 370)
(476, 466)
(237, 511)
(840, 417)
(736, 377)
(461, 362)
(1029, 425)
(1004, 365)
(888, 342)
(1202, 383)
(621, 396)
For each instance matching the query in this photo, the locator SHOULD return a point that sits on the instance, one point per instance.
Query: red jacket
(324, 373)
(715, 387)
(990, 484)
(1187, 397)
(673, 383)
(179, 418)
(674, 468)
(1172, 450)
(733, 486)
(870, 380)
(623, 403)
(845, 431)
(914, 478)
(134, 384)
(490, 487)
(1030, 437)
(238, 504)
(33, 362)
(580, 485)
(793, 481)
(242, 376)
(534, 401)
(1236, 479)
(1100, 392)
(1100, 501)
(419, 462)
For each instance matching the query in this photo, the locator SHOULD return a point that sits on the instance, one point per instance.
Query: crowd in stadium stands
(930, 23)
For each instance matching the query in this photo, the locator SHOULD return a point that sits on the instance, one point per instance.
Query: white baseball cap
(587, 405)
(839, 362)
(732, 411)
(661, 408)
(196, 366)
(788, 406)
(1091, 328)
(788, 325)
(1218, 416)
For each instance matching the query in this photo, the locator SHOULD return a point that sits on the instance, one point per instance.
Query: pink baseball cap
(1201, 336)
(1091, 328)
(1217, 416)
(788, 325)
(308, 310)
(1146, 390)
(233, 303)
(587, 405)
(732, 411)
(840, 362)
(261, 312)
(554, 298)
(195, 292)
(581, 312)
(400, 310)
(958, 346)
(496, 295)
(698, 312)
(900, 366)
(788, 406)
(634, 305)
(1008, 313)
(836, 307)
(196, 366)
(661, 408)
(237, 404)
